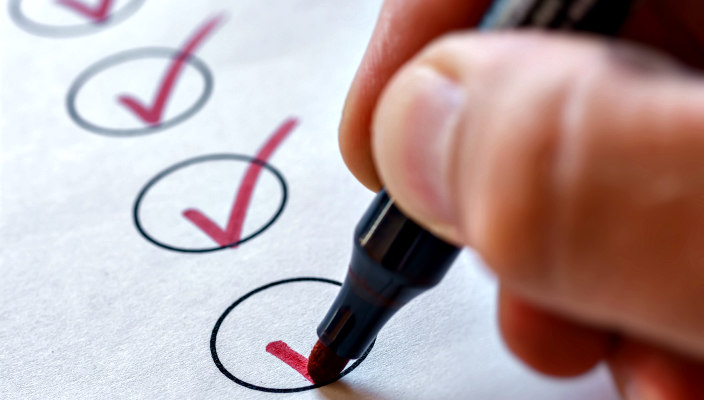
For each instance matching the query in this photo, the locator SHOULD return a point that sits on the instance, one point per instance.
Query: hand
(573, 165)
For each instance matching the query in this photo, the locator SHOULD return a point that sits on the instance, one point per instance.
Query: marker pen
(393, 258)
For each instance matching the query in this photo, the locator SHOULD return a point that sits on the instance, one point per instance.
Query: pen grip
(393, 260)
(402, 249)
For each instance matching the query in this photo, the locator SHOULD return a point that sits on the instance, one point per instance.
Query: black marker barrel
(393, 261)
(597, 16)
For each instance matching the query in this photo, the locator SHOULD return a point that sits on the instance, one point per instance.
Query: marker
(393, 258)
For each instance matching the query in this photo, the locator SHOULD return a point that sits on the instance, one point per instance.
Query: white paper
(89, 308)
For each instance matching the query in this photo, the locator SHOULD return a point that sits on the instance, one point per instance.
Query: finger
(574, 167)
(549, 343)
(643, 372)
(403, 28)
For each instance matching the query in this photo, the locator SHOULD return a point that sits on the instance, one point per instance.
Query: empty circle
(131, 55)
(31, 25)
(274, 300)
(182, 167)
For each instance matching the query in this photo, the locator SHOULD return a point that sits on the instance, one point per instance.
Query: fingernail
(417, 123)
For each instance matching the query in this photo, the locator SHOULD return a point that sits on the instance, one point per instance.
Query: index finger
(403, 28)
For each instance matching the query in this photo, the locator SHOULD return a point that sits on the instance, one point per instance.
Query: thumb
(574, 167)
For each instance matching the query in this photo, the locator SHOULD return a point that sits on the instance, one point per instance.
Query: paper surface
(116, 180)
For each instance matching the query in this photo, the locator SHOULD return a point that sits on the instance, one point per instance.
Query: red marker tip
(323, 364)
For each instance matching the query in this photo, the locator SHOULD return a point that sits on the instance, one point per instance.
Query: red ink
(152, 114)
(233, 232)
(289, 356)
(98, 14)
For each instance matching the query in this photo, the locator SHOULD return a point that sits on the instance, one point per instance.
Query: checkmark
(283, 352)
(98, 13)
(151, 114)
(233, 231)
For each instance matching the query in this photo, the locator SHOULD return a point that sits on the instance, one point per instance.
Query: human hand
(574, 166)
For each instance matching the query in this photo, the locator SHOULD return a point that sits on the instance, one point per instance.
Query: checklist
(176, 217)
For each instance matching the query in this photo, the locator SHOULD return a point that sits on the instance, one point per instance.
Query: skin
(572, 164)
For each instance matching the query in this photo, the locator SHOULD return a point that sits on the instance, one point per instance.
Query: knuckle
(518, 195)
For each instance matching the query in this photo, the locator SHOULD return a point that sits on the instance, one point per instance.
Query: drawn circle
(130, 55)
(196, 160)
(58, 31)
(221, 367)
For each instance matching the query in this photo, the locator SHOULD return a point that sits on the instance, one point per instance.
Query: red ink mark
(289, 356)
(233, 232)
(152, 114)
(98, 14)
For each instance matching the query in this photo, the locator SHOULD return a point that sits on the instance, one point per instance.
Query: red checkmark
(286, 354)
(152, 114)
(233, 232)
(97, 14)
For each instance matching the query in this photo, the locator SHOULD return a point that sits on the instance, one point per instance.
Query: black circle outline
(57, 31)
(196, 160)
(129, 55)
(214, 334)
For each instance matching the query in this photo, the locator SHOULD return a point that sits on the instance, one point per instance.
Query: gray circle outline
(131, 55)
(216, 329)
(56, 31)
(197, 160)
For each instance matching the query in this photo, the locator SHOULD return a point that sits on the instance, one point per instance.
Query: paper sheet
(128, 130)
